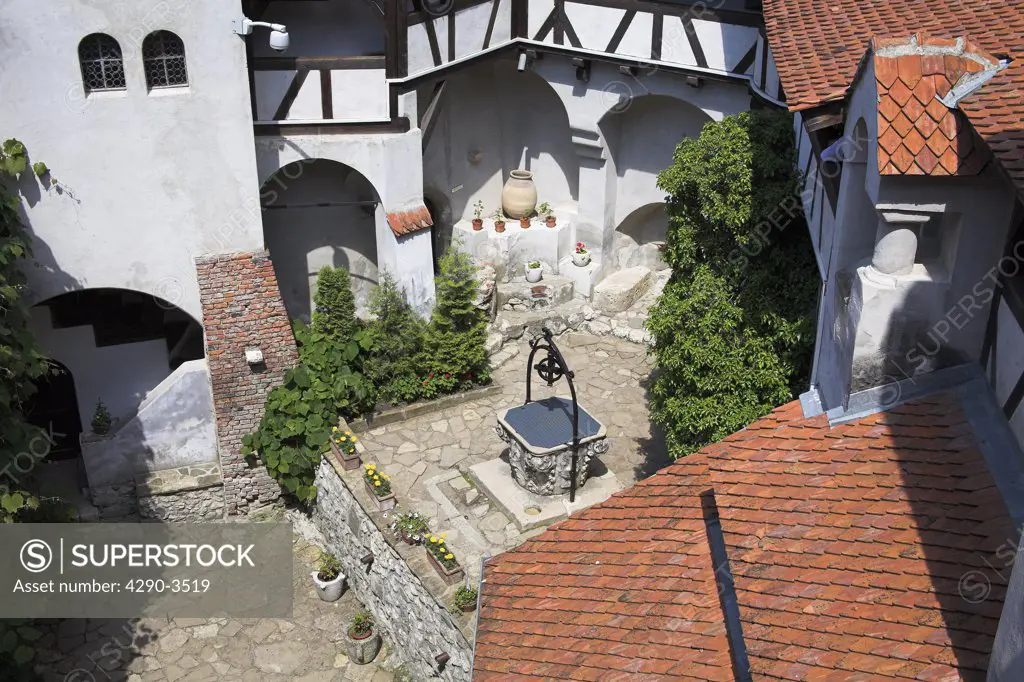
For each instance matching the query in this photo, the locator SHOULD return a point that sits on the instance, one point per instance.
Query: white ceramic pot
(534, 274)
(331, 590)
(519, 195)
(581, 259)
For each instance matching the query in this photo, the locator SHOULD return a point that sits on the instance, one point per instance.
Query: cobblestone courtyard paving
(424, 454)
(307, 648)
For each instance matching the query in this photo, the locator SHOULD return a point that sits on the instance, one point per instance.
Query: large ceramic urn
(519, 196)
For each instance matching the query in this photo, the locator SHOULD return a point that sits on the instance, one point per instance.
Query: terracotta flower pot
(466, 608)
(449, 575)
(519, 195)
(524, 223)
(478, 224)
(383, 503)
(348, 462)
(550, 221)
(499, 225)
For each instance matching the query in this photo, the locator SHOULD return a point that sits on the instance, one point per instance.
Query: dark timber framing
(620, 31)
(697, 10)
(373, 61)
(435, 47)
(289, 96)
(520, 18)
(691, 37)
(657, 29)
(490, 23)
(326, 94)
(400, 125)
(746, 61)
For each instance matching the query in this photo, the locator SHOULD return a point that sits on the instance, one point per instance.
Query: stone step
(520, 295)
(620, 290)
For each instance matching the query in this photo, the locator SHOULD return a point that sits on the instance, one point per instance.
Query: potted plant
(101, 419)
(343, 444)
(378, 485)
(411, 527)
(534, 271)
(549, 217)
(499, 220)
(328, 577)
(443, 560)
(478, 212)
(464, 599)
(524, 222)
(581, 256)
(361, 640)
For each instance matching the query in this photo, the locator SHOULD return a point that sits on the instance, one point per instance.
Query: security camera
(279, 40)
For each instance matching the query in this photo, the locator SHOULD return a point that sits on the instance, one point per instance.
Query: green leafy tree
(334, 311)
(395, 340)
(21, 362)
(455, 344)
(734, 329)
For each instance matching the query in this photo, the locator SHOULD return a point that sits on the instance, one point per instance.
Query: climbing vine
(21, 362)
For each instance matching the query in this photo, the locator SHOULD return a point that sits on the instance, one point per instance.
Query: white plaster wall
(120, 376)
(357, 95)
(150, 179)
(723, 44)
(638, 236)
(393, 164)
(305, 237)
(642, 139)
(494, 119)
(594, 26)
(1007, 361)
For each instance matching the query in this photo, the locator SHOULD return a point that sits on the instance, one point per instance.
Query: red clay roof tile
(817, 47)
(407, 222)
(849, 548)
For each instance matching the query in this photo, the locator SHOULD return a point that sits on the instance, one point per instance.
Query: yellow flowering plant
(345, 441)
(438, 546)
(379, 482)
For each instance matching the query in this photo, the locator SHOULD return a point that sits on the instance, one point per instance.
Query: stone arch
(640, 238)
(319, 212)
(641, 139)
(494, 119)
(118, 344)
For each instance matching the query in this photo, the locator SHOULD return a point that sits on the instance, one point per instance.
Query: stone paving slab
(308, 647)
(422, 454)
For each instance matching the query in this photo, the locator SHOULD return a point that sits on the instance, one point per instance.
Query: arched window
(163, 56)
(102, 65)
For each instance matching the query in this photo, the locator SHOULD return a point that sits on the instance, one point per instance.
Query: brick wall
(242, 308)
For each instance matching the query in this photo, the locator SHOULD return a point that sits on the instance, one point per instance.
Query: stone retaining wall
(188, 494)
(394, 586)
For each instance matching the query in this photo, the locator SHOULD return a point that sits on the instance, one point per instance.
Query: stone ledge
(414, 556)
(181, 479)
(400, 414)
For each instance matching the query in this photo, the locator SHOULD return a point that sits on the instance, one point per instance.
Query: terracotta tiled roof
(817, 47)
(865, 551)
(412, 220)
(868, 548)
(918, 134)
(624, 587)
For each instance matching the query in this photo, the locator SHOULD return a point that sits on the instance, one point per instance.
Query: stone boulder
(620, 290)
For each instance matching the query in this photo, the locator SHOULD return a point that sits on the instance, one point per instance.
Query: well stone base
(528, 510)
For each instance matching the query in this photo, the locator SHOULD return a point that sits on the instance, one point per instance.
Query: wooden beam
(419, 16)
(559, 13)
(400, 125)
(620, 31)
(435, 48)
(547, 26)
(490, 23)
(682, 8)
(691, 37)
(289, 96)
(326, 94)
(520, 13)
(657, 30)
(746, 60)
(451, 37)
(374, 61)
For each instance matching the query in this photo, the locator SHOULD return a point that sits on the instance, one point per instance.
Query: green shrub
(296, 426)
(334, 311)
(395, 340)
(734, 329)
(455, 356)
